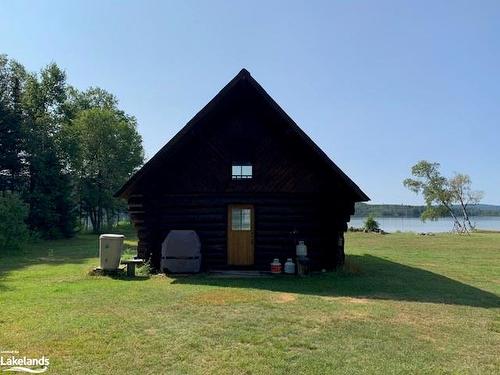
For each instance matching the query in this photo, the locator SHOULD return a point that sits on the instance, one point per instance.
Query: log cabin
(249, 181)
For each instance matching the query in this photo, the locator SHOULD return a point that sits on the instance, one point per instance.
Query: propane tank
(276, 266)
(301, 249)
(289, 266)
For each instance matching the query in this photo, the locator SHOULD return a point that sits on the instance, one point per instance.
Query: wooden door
(240, 235)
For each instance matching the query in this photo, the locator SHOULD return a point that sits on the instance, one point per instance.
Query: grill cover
(181, 252)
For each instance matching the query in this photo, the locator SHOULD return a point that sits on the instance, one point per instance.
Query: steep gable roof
(243, 75)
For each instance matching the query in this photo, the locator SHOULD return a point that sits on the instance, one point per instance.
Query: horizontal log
(225, 200)
(135, 205)
(136, 212)
(167, 217)
(195, 210)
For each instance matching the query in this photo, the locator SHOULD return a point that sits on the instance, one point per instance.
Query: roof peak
(242, 77)
(244, 73)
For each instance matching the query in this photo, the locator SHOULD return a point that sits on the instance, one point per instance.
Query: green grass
(404, 304)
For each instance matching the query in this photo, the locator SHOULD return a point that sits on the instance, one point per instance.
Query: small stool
(130, 263)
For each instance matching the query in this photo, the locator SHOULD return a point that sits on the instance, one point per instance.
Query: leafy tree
(50, 154)
(13, 230)
(107, 149)
(52, 206)
(11, 78)
(371, 224)
(441, 194)
(93, 97)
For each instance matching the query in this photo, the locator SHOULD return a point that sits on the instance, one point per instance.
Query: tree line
(63, 152)
(410, 211)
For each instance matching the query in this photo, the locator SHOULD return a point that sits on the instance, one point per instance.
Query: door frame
(230, 230)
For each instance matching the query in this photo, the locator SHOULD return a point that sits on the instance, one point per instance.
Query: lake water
(392, 224)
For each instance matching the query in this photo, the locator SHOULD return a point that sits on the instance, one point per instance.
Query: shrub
(13, 229)
(371, 224)
(145, 269)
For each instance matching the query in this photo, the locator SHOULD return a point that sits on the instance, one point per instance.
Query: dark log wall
(292, 190)
(280, 220)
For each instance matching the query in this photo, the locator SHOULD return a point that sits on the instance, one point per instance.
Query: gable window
(241, 171)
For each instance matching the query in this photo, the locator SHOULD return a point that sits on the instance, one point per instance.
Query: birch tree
(444, 195)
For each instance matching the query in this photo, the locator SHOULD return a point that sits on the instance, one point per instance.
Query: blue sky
(378, 85)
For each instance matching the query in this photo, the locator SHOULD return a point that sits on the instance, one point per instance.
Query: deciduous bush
(13, 230)
(371, 224)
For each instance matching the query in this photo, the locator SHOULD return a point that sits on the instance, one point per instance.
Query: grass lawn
(405, 304)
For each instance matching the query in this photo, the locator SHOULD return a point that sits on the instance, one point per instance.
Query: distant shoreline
(409, 211)
(413, 224)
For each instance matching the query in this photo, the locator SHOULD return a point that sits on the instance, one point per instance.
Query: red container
(276, 266)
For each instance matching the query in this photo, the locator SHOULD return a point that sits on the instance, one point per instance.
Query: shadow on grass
(77, 250)
(124, 277)
(370, 277)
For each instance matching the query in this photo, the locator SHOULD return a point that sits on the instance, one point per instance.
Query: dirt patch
(344, 315)
(417, 320)
(284, 297)
(354, 300)
(353, 315)
(150, 331)
(222, 297)
(363, 301)
(426, 324)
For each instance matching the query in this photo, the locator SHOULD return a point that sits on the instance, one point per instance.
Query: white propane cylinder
(110, 250)
(289, 266)
(301, 249)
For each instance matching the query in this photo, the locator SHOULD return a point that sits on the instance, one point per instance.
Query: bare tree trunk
(457, 226)
(94, 220)
(99, 202)
(463, 206)
(110, 217)
(99, 219)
